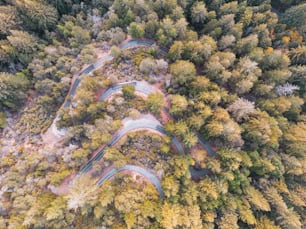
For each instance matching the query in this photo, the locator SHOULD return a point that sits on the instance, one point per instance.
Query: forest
(165, 114)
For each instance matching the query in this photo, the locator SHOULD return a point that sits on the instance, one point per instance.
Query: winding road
(144, 87)
(131, 125)
(140, 86)
(131, 43)
(144, 124)
(144, 172)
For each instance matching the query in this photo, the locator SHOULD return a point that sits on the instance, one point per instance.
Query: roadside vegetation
(231, 72)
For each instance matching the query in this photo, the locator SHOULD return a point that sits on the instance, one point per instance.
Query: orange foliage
(286, 39)
(268, 50)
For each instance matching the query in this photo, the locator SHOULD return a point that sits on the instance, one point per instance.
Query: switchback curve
(144, 172)
(142, 87)
(129, 126)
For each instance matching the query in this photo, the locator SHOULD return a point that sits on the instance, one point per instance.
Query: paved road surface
(140, 86)
(144, 87)
(132, 125)
(129, 126)
(129, 44)
(144, 172)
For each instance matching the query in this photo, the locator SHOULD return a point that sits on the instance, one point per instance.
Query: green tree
(183, 71)
(115, 52)
(164, 7)
(298, 55)
(128, 91)
(196, 121)
(80, 156)
(24, 45)
(180, 128)
(12, 89)
(38, 15)
(245, 45)
(8, 19)
(168, 31)
(56, 210)
(275, 60)
(88, 54)
(294, 138)
(190, 139)
(136, 30)
(76, 35)
(178, 104)
(2, 120)
(155, 102)
(176, 50)
(261, 129)
(112, 21)
(198, 12)
(295, 17)
(79, 36)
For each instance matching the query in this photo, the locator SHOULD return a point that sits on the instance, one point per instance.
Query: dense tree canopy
(219, 85)
(13, 89)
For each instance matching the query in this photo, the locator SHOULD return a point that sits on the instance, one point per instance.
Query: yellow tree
(170, 216)
(8, 19)
(288, 218)
(263, 223)
(295, 139)
(228, 220)
(171, 186)
(183, 71)
(155, 102)
(257, 199)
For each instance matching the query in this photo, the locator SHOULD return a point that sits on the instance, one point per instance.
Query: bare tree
(286, 89)
(240, 108)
